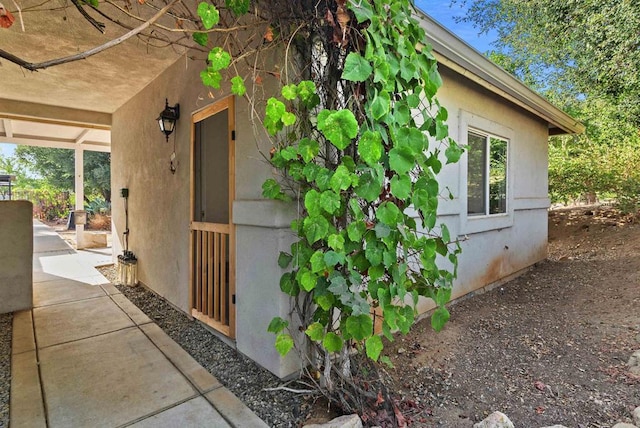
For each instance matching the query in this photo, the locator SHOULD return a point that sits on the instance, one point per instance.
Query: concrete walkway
(85, 356)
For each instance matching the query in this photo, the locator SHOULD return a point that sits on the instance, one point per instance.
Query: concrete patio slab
(130, 309)
(62, 291)
(68, 266)
(195, 413)
(67, 322)
(234, 410)
(108, 380)
(202, 379)
(22, 339)
(99, 361)
(26, 405)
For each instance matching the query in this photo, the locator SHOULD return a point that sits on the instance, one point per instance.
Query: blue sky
(445, 13)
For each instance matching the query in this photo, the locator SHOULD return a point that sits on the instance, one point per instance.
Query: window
(486, 174)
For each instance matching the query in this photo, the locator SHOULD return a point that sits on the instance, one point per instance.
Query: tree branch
(83, 55)
(98, 25)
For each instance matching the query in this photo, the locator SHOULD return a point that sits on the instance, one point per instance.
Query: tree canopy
(57, 167)
(584, 56)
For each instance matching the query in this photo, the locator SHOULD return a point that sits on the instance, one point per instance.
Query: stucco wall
(16, 256)
(159, 210)
(496, 247)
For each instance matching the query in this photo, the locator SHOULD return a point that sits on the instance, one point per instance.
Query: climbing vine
(358, 141)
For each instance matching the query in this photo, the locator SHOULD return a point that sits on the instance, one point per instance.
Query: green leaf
(369, 187)
(271, 190)
(275, 109)
(209, 15)
(373, 253)
(360, 327)
(330, 201)
(387, 361)
(370, 147)
(237, 86)
(336, 242)
(332, 258)
(288, 284)
(376, 272)
(289, 92)
(389, 214)
(308, 149)
(284, 259)
(332, 342)
(323, 179)
(315, 228)
(201, 38)
(380, 105)
(315, 332)
(439, 318)
(341, 179)
(355, 209)
(288, 118)
(362, 10)
(356, 68)
(289, 153)
(355, 230)
(453, 152)
(277, 324)
(325, 301)
(442, 296)
(401, 186)
(374, 347)
(402, 159)
(340, 127)
(219, 59)
(211, 78)
(308, 280)
(238, 7)
(317, 262)
(312, 202)
(442, 130)
(284, 344)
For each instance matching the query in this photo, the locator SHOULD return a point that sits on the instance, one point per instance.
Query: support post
(79, 187)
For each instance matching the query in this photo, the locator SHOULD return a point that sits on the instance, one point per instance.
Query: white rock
(623, 425)
(636, 416)
(634, 363)
(556, 426)
(347, 421)
(495, 420)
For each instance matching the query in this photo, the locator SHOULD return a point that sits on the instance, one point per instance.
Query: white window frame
(476, 223)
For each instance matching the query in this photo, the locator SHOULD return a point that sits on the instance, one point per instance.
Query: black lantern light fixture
(168, 118)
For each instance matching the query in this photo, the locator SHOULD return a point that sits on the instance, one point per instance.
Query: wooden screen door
(212, 250)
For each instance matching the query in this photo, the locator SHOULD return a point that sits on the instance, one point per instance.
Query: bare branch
(82, 55)
(98, 25)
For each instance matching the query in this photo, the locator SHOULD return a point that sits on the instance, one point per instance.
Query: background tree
(57, 166)
(584, 56)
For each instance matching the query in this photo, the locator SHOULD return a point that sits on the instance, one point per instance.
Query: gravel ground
(236, 372)
(5, 367)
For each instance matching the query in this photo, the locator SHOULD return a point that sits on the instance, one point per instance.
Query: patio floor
(86, 356)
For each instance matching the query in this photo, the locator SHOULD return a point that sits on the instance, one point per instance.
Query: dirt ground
(549, 347)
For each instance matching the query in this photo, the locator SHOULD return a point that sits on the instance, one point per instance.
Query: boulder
(623, 425)
(634, 363)
(636, 416)
(495, 420)
(347, 421)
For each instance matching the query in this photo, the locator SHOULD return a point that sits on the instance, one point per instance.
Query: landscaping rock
(634, 363)
(495, 420)
(556, 426)
(636, 416)
(623, 425)
(347, 421)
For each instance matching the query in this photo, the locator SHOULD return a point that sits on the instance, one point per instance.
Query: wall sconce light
(168, 118)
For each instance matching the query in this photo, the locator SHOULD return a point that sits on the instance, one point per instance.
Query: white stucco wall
(16, 256)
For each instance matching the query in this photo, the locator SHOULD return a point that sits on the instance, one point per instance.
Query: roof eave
(457, 55)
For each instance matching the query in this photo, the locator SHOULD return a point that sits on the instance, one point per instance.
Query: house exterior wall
(16, 255)
(159, 202)
(498, 246)
(159, 207)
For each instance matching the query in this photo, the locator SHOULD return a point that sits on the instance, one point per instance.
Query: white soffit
(54, 135)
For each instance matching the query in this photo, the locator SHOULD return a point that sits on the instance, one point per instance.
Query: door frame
(227, 103)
